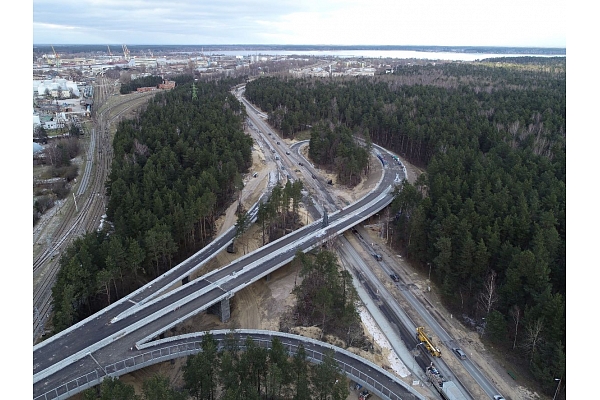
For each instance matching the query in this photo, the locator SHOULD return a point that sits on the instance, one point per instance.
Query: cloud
(401, 22)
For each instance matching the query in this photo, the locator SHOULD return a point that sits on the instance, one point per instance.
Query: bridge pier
(222, 309)
(268, 277)
(185, 280)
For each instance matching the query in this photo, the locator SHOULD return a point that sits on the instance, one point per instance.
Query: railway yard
(82, 211)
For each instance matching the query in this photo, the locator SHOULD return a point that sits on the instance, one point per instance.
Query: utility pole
(75, 200)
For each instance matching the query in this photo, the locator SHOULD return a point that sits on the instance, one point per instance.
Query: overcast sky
(343, 22)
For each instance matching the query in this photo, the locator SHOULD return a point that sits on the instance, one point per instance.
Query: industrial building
(149, 63)
(57, 88)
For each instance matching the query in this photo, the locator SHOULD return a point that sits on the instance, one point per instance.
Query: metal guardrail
(193, 346)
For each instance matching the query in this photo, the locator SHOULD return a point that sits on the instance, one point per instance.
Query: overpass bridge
(132, 323)
(117, 332)
(371, 376)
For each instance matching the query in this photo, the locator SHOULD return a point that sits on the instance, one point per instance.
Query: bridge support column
(325, 222)
(222, 309)
(185, 280)
(268, 277)
(225, 313)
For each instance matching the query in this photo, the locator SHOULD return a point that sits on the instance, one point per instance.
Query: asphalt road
(110, 335)
(109, 342)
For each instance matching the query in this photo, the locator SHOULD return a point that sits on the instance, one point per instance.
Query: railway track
(81, 213)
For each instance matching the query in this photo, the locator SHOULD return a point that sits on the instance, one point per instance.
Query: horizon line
(295, 45)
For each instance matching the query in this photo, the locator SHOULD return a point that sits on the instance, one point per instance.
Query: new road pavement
(111, 335)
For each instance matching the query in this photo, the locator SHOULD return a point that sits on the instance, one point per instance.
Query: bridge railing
(193, 345)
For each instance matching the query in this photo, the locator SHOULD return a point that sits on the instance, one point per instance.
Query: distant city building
(147, 62)
(36, 120)
(58, 121)
(146, 89)
(139, 75)
(167, 85)
(57, 87)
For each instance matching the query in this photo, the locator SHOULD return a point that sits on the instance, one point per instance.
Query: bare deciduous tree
(40, 133)
(125, 77)
(489, 296)
(104, 278)
(515, 313)
(533, 337)
(140, 148)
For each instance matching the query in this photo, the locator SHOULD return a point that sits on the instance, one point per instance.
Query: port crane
(126, 52)
(56, 57)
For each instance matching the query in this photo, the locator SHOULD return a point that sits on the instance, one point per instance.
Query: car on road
(461, 354)
(301, 164)
(395, 277)
(377, 256)
(278, 142)
(287, 152)
(498, 397)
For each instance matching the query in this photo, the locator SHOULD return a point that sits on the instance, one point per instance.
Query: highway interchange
(122, 330)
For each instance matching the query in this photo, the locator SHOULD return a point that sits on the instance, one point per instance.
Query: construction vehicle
(422, 337)
(447, 389)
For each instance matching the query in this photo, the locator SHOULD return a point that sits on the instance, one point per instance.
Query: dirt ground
(261, 305)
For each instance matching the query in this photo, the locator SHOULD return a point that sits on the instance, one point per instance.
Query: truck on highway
(427, 342)
(447, 389)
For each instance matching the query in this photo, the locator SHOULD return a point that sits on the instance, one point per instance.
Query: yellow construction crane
(56, 58)
(422, 337)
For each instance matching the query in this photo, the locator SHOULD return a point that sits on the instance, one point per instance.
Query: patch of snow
(396, 364)
(46, 218)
